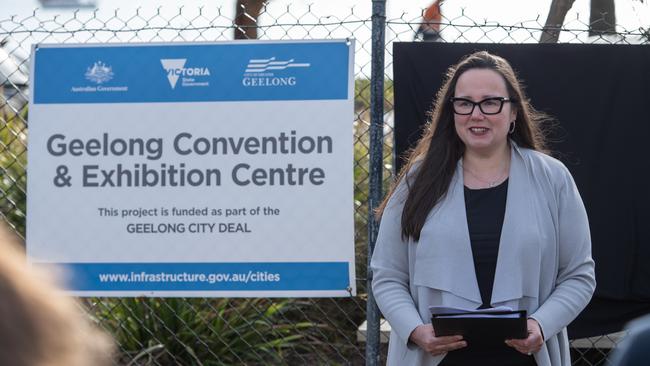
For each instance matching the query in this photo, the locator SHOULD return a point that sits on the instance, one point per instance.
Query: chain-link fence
(197, 331)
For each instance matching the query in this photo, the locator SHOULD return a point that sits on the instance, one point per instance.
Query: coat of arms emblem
(99, 73)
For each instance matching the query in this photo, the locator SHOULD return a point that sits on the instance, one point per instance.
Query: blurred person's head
(634, 349)
(39, 325)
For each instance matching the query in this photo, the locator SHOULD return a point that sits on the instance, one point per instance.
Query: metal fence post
(376, 166)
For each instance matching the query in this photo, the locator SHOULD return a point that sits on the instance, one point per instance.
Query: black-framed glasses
(493, 105)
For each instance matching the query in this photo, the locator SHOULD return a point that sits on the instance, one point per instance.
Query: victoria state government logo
(99, 73)
(261, 72)
(190, 76)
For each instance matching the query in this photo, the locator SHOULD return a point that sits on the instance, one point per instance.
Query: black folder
(491, 330)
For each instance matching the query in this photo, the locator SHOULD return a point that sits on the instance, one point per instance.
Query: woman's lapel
(444, 258)
(518, 257)
(464, 261)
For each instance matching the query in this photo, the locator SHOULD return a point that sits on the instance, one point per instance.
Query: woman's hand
(533, 343)
(424, 337)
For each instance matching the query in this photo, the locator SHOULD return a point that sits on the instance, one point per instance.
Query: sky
(631, 14)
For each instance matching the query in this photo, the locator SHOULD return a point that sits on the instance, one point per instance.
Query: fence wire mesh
(201, 331)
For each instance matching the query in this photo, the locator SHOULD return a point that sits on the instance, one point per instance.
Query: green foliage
(13, 163)
(362, 167)
(177, 331)
(362, 90)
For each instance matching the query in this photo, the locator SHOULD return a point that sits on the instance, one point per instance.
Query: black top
(485, 210)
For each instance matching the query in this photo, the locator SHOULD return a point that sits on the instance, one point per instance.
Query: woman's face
(483, 133)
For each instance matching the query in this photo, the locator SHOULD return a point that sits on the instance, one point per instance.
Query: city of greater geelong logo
(99, 73)
(175, 69)
(261, 72)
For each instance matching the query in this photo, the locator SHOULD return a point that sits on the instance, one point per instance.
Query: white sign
(207, 169)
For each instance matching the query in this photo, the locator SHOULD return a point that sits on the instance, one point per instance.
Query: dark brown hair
(432, 163)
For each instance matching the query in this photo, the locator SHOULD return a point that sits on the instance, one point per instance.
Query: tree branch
(602, 18)
(555, 19)
(246, 14)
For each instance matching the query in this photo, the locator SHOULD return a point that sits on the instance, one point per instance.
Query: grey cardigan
(544, 263)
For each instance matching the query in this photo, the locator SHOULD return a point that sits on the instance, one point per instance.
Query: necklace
(491, 182)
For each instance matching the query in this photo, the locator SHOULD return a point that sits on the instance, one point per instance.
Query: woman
(481, 217)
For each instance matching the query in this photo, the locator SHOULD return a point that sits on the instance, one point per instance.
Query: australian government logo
(189, 76)
(262, 72)
(99, 73)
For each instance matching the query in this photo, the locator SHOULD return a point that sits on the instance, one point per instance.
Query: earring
(512, 127)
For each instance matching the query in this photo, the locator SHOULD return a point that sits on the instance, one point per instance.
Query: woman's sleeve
(576, 280)
(390, 270)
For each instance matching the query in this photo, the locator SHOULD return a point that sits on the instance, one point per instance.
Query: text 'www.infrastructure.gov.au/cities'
(243, 277)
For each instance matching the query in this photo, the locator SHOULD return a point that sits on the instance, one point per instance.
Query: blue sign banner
(192, 72)
(288, 276)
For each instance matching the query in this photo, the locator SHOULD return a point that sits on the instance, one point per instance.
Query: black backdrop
(600, 97)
